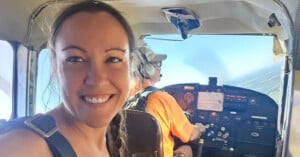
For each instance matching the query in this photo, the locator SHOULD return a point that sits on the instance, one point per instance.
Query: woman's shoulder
(23, 142)
(19, 134)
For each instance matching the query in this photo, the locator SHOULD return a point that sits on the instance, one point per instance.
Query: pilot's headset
(146, 68)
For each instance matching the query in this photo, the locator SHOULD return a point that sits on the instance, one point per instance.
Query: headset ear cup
(147, 70)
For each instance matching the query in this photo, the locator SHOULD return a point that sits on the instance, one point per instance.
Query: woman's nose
(96, 74)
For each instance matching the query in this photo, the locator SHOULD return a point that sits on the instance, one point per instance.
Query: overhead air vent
(183, 19)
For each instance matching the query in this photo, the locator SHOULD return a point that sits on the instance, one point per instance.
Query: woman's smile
(100, 99)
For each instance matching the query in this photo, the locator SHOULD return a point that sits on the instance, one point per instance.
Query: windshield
(239, 60)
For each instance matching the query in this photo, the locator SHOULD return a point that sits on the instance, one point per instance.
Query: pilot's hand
(201, 128)
(198, 130)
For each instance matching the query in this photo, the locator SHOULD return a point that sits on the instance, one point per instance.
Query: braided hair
(116, 136)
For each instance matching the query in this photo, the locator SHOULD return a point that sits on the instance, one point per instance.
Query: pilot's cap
(150, 56)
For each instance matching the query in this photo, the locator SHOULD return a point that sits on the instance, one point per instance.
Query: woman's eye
(113, 60)
(74, 59)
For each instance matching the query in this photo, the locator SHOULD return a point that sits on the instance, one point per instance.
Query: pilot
(161, 105)
(185, 97)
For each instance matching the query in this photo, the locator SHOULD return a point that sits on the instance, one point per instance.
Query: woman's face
(92, 66)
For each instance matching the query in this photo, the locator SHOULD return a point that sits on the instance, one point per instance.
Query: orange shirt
(171, 118)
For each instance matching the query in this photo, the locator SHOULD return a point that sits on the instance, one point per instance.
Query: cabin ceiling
(29, 21)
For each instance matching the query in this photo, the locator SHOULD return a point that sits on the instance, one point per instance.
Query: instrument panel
(239, 122)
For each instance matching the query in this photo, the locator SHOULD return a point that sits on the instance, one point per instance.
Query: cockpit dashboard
(239, 122)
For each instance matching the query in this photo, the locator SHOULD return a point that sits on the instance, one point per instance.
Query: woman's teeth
(96, 100)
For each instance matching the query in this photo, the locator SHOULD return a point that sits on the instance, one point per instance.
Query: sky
(226, 57)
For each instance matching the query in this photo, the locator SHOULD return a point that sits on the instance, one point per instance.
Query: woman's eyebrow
(113, 49)
(73, 47)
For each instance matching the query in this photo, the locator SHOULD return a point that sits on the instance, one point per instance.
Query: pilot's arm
(180, 126)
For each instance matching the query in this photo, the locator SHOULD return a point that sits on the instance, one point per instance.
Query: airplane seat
(144, 134)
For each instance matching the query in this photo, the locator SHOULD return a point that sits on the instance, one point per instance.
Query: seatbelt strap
(139, 101)
(45, 126)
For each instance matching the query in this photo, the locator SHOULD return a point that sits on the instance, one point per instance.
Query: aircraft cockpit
(239, 122)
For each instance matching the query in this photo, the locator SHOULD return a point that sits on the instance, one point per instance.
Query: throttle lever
(200, 147)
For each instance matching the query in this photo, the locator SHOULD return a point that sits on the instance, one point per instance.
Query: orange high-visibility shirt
(171, 118)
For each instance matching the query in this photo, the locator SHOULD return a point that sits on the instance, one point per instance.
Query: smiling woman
(90, 44)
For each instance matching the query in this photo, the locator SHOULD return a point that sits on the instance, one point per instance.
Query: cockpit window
(6, 79)
(239, 60)
(47, 96)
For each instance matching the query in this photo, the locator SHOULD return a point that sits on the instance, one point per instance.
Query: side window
(47, 96)
(6, 79)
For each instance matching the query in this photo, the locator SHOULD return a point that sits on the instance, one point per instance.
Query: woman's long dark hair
(116, 132)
